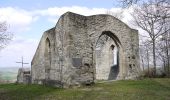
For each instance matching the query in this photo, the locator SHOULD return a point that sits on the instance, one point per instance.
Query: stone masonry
(24, 76)
(81, 49)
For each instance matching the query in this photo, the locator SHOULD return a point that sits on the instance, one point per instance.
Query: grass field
(147, 89)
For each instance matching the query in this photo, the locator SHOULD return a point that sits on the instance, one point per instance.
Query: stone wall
(24, 76)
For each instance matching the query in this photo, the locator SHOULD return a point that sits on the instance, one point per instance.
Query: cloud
(18, 19)
(52, 12)
(21, 46)
(57, 11)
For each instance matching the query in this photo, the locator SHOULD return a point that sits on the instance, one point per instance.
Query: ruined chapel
(82, 49)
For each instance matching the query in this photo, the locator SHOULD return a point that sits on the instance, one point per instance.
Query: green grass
(147, 89)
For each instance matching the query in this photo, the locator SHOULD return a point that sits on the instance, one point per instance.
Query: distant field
(8, 74)
(147, 89)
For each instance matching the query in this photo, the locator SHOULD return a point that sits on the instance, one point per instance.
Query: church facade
(82, 49)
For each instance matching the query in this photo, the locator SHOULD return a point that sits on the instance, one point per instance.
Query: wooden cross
(22, 62)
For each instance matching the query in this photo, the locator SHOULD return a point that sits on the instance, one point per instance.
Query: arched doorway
(47, 56)
(107, 56)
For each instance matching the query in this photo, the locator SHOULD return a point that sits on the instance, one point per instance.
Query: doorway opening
(107, 57)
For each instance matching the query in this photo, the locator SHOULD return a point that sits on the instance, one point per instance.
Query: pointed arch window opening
(47, 57)
(112, 55)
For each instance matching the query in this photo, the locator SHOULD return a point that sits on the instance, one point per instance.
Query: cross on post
(22, 62)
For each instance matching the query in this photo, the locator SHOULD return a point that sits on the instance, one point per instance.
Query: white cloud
(18, 19)
(58, 11)
(15, 50)
(52, 12)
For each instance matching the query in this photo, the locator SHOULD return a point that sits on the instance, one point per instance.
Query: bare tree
(145, 50)
(128, 3)
(150, 17)
(5, 36)
(163, 48)
(166, 39)
(161, 54)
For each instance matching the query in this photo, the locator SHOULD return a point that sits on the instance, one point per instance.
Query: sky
(28, 19)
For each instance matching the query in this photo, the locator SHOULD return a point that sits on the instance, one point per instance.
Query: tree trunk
(142, 64)
(167, 53)
(154, 57)
(164, 65)
(148, 61)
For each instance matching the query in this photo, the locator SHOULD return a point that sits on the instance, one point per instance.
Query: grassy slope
(147, 89)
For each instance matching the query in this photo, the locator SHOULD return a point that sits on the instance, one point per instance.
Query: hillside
(8, 74)
(147, 89)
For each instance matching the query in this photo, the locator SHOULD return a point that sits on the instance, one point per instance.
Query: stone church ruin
(82, 49)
